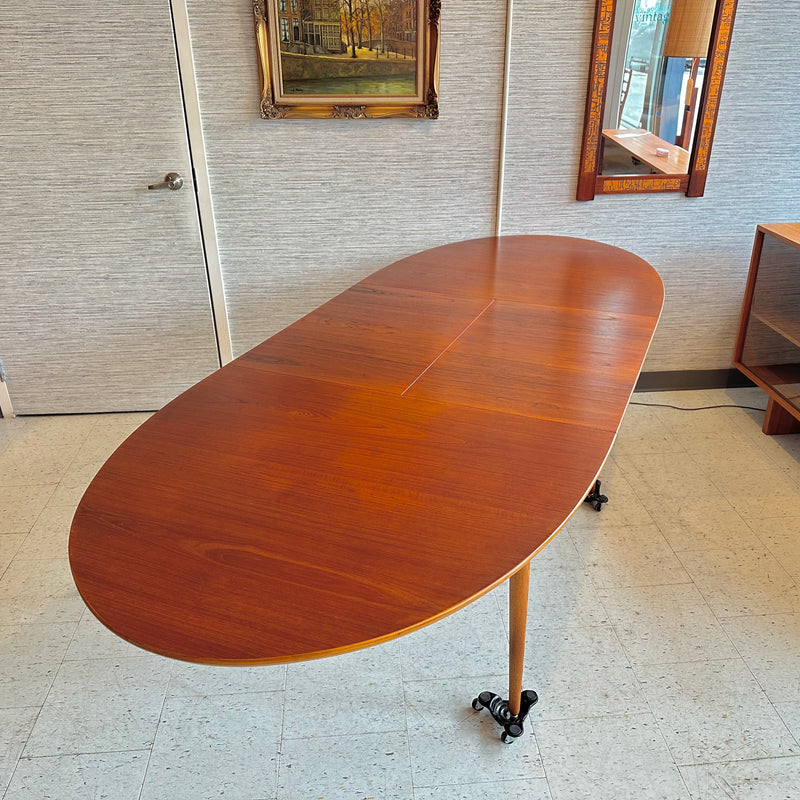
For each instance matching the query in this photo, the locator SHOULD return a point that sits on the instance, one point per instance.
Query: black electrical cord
(697, 408)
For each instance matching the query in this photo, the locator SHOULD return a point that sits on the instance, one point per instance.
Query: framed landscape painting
(348, 58)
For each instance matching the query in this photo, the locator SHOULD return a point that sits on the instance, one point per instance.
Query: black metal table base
(512, 725)
(595, 498)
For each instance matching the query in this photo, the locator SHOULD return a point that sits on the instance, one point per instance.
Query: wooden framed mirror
(655, 80)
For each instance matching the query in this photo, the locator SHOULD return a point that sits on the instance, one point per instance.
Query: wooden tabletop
(643, 145)
(375, 466)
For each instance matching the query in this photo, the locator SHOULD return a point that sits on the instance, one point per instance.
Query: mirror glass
(656, 71)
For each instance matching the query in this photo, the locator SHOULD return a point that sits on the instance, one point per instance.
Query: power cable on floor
(697, 408)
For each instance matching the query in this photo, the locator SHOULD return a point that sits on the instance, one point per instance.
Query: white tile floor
(664, 642)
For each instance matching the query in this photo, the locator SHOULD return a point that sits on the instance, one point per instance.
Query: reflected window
(656, 81)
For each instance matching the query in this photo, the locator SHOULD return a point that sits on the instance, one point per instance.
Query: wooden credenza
(768, 344)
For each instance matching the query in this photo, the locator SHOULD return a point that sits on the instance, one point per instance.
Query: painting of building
(348, 47)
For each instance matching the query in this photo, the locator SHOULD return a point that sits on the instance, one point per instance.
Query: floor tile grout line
(787, 757)
(641, 689)
(281, 736)
(33, 725)
(71, 755)
(486, 782)
(675, 554)
(406, 706)
(718, 620)
(60, 663)
(723, 494)
(155, 732)
(766, 546)
(38, 517)
(344, 735)
(77, 447)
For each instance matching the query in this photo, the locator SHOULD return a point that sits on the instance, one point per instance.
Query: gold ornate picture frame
(348, 59)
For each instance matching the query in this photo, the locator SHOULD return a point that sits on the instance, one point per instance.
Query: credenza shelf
(781, 323)
(768, 343)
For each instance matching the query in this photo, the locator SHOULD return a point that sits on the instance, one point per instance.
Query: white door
(104, 294)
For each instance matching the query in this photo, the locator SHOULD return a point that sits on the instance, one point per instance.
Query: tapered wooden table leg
(518, 617)
(511, 713)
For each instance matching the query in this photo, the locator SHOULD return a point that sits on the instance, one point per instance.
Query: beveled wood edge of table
(298, 657)
(311, 656)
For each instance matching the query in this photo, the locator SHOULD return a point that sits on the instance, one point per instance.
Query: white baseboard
(5, 401)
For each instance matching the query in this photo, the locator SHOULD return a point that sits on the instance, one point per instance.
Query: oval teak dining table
(377, 465)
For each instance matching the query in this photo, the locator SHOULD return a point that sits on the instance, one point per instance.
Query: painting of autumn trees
(348, 47)
(348, 57)
(380, 25)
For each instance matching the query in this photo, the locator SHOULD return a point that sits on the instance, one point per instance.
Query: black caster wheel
(513, 730)
(512, 724)
(595, 499)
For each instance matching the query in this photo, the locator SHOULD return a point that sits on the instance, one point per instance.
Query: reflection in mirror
(654, 85)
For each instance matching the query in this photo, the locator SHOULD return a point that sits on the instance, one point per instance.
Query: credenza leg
(511, 713)
(778, 420)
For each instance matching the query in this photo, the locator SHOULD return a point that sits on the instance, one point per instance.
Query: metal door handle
(172, 180)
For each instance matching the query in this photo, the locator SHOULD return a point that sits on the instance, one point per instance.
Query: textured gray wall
(305, 207)
(103, 288)
(701, 246)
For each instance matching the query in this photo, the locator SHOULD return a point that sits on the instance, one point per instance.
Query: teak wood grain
(375, 466)
(644, 146)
